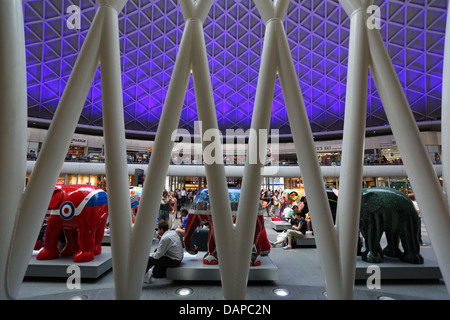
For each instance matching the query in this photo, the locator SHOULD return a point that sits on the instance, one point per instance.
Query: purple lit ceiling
(318, 31)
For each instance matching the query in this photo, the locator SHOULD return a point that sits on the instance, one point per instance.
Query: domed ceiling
(317, 30)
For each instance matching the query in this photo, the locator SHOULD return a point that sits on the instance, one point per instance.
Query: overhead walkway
(236, 171)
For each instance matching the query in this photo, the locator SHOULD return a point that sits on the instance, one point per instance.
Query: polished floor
(299, 273)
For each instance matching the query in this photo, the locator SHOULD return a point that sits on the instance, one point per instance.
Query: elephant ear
(56, 199)
(372, 201)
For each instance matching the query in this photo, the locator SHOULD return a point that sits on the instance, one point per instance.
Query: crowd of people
(289, 207)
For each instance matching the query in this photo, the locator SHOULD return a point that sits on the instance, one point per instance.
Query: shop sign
(328, 148)
(78, 142)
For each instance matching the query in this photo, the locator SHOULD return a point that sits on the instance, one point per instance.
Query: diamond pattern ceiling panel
(318, 32)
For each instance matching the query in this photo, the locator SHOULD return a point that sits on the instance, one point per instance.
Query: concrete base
(394, 269)
(106, 239)
(57, 268)
(280, 225)
(305, 242)
(193, 268)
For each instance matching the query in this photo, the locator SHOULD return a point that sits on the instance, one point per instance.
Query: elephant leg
(86, 241)
(374, 232)
(410, 243)
(193, 221)
(392, 249)
(52, 233)
(256, 252)
(71, 246)
(99, 233)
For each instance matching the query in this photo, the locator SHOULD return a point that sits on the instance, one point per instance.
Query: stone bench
(308, 241)
(280, 225)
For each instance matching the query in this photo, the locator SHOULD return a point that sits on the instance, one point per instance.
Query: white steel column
(226, 243)
(119, 208)
(251, 181)
(324, 230)
(317, 199)
(445, 110)
(13, 126)
(423, 178)
(141, 238)
(48, 165)
(40, 187)
(347, 218)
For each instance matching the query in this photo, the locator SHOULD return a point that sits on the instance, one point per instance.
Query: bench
(308, 241)
(280, 225)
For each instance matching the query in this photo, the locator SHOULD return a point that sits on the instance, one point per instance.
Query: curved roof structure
(318, 31)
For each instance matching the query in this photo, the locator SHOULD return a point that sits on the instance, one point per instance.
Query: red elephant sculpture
(82, 212)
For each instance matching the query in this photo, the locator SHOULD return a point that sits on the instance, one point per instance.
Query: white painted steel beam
(251, 181)
(421, 173)
(42, 181)
(141, 238)
(48, 165)
(445, 110)
(424, 182)
(191, 57)
(230, 267)
(352, 159)
(306, 153)
(13, 128)
(119, 208)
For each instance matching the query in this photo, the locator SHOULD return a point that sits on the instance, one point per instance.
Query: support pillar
(353, 150)
(13, 128)
(415, 158)
(251, 181)
(42, 181)
(115, 148)
(445, 109)
(158, 166)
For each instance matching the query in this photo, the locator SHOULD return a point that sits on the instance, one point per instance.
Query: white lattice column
(49, 163)
(251, 181)
(324, 231)
(13, 127)
(425, 184)
(141, 238)
(119, 208)
(353, 150)
(229, 266)
(445, 109)
(311, 173)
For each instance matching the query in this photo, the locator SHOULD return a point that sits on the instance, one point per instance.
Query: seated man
(168, 254)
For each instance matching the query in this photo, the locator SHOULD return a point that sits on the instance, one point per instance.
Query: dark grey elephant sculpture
(391, 211)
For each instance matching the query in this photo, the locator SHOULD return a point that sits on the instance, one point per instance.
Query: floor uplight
(184, 292)
(281, 292)
(78, 297)
(385, 298)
